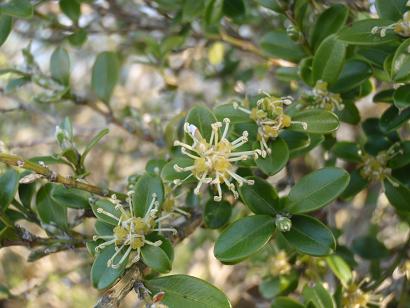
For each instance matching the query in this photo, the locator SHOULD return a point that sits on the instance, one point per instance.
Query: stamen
(102, 211)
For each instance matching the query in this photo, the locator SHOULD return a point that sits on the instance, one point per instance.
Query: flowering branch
(14, 160)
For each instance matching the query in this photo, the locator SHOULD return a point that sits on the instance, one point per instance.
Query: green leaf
(146, 186)
(285, 302)
(243, 238)
(26, 193)
(274, 286)
(317, 189)
(169, 174)
(156, 258)
(391, 9)
(233, 8)
(71, 197)
(275, 161)
(402, 158)
(17, 8)
(103, 276)
(318, 121)
(102, 228)
(228, 111)
(192, 9)
(105, 75)
(202, 117)
(314, 141)
(78, 37)
(401, 97)
(348, 151)
(6, 23)
(213, 12)
(398, 195)
(370, 248)
(400, 66)
(260, 198)
(217, 214)
(340, 268)
(71, 8)
(93, 143)
(318, 296)
(349, 114)
(329, 22)
(154, 166)
(309, 236)
(393, 118)
(328, 60)
(60, 65)
(49, 210)
(108, 207)
(295, 140)
(354, 73)
(9, 182)
(187, 291)
(360, 33)
(278, 44)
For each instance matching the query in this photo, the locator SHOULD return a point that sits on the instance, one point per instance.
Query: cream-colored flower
(375, 167)
(402, 27)
(213, 160)
(269, 114)
(321, 98)
(355, 297)
(130, 231)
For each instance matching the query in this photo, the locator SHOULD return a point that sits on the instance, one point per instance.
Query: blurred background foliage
(171, 54)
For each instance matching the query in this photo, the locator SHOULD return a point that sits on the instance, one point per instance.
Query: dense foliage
(310, 122)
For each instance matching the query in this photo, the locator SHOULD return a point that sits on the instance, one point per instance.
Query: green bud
(283, 223)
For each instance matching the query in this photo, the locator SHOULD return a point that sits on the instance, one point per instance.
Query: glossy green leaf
(9, 182)
(71, 8)
(295, 140)
(401, 97)
(318, 296)
(309, 236)
(6, 23)
(93, 143)
(402, 158)
(228, 111)
(233, 8)
(17, 8)
(275, 161)
(217, 214)
(278, 44)
(393, 118)
(48, 209)
(354, 72)
(105, 74)
(391, 9)
(329, 22)
(398, 195)
(369, 248)
(317, 189)
(26, 193)
(349, 114)
(154, 166)
(187, 291)
(103, 276)
(328, 60)
(340, 268)
(271, 287)
(71, 197)
(156, 258)
(260, 198)
(146, 186)
(60, 65)
(314, 141)
(108, 207)
(243, 238)
(202, 117)
(285, 302)
(318, 121)
(192, 9)
(400, 65)
(347, 150)
(360, 33)
(169, 174)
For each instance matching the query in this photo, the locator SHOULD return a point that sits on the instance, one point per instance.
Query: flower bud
(283, 223)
